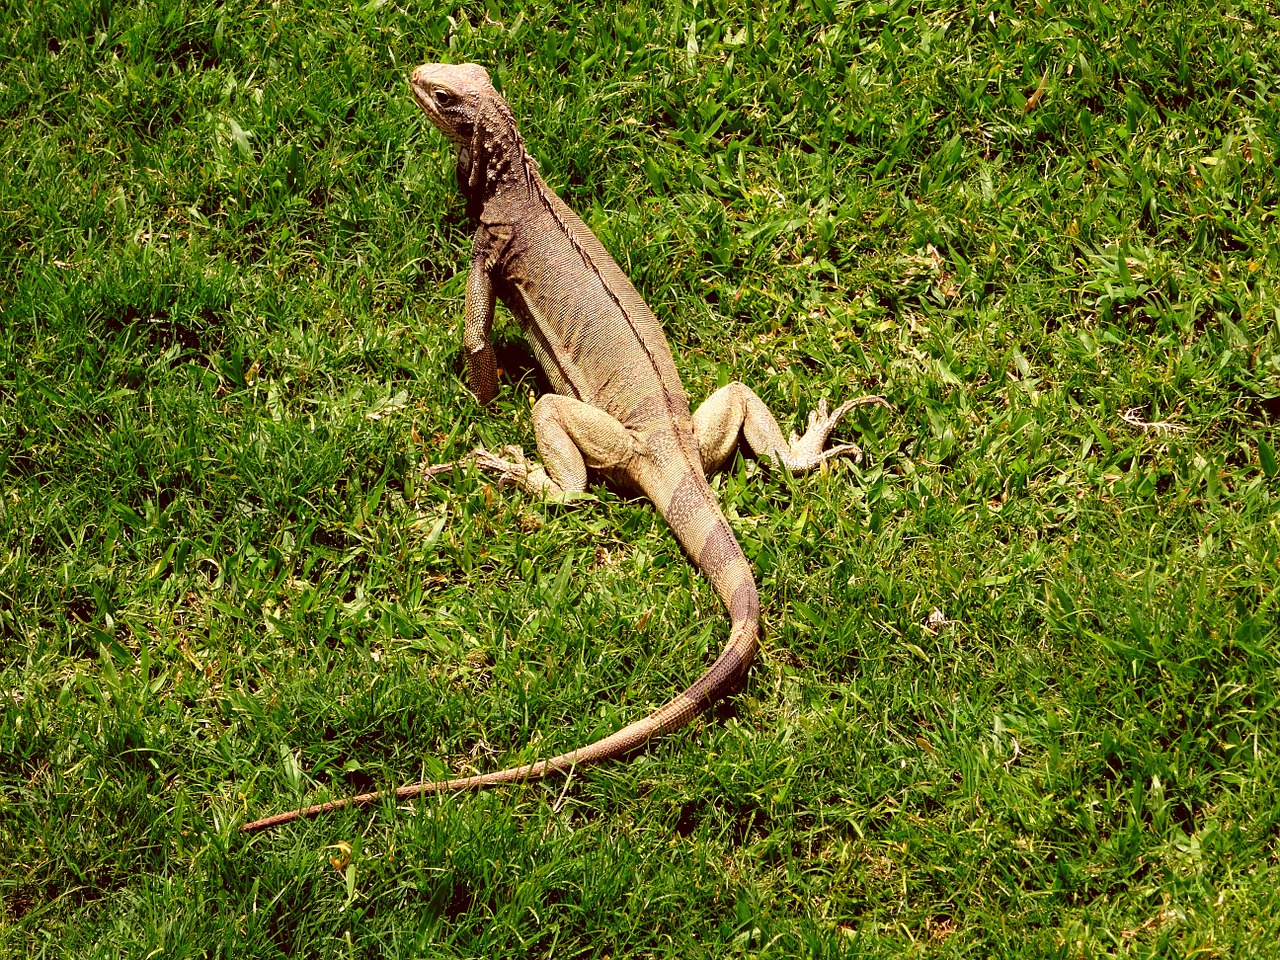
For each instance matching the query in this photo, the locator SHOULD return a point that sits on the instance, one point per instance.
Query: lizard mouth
(423, 97)
(428, 94)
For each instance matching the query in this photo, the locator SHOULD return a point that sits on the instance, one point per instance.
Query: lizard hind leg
(572, 436)
(734, 411)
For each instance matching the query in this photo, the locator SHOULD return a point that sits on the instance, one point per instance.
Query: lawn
(1019, 693)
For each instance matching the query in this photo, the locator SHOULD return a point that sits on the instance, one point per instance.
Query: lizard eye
(444, 98)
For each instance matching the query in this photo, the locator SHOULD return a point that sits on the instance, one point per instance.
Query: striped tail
(702, 530)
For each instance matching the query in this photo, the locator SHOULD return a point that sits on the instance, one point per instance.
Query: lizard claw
(508, 471)
(807, 451)
(433, 470)
(513, 467)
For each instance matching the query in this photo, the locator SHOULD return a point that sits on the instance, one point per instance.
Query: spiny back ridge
(591, 265)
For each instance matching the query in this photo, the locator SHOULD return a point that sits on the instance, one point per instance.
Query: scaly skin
(618, 407)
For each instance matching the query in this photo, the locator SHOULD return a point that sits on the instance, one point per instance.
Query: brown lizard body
(618, 407)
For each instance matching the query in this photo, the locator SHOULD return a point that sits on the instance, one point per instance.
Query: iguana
(619, 408)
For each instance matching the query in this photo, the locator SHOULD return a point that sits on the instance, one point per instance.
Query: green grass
(233, 270)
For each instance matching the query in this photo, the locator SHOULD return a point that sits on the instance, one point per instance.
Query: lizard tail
(705, 534)
(677, 712)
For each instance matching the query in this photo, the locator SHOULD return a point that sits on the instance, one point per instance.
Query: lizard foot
(512, 468)
(515, 468)
(806, 452)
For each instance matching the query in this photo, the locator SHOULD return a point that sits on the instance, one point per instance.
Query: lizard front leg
(482, 363)
(735, 412)
(572, 437)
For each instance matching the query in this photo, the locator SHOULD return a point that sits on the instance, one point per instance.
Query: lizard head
(492, 161)
(454, 96)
